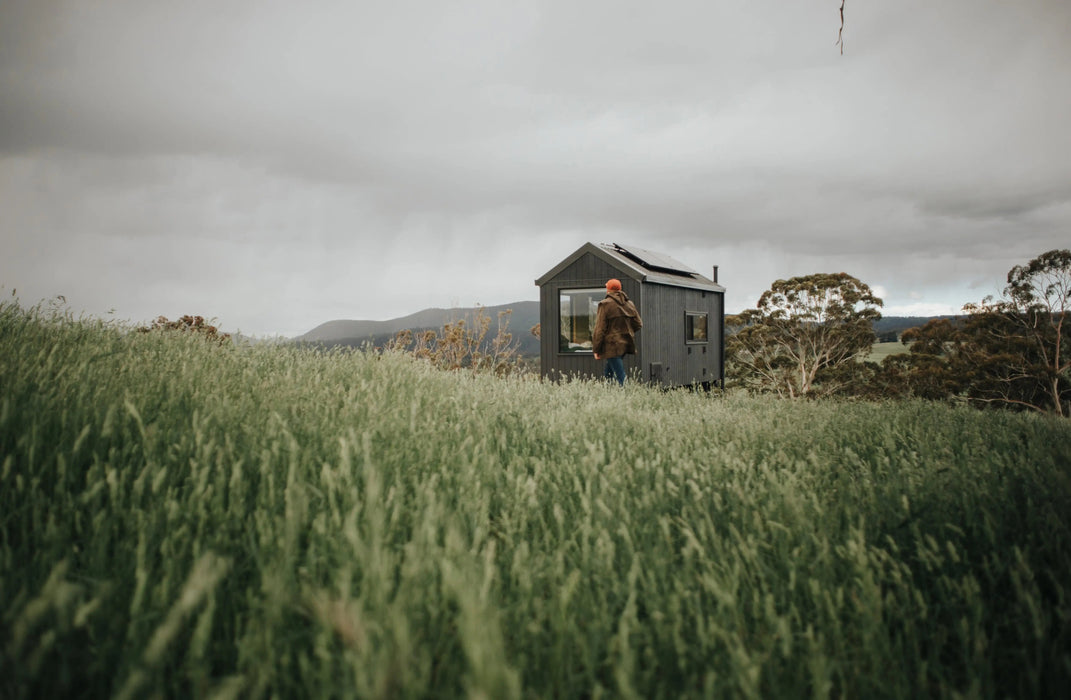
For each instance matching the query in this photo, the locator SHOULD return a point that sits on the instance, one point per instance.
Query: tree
(1009, 352)
(1026, 360)
(804, 330)
(935, 366)
(1038, 299)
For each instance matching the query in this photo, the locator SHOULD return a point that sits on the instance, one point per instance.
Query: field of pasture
(879, 351)
(182, 519)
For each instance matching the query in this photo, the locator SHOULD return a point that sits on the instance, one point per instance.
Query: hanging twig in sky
(840, 34)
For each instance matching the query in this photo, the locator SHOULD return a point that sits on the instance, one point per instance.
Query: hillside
(525, 314)
(889, 328)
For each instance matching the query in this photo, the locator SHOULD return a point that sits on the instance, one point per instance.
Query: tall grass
(182, 519)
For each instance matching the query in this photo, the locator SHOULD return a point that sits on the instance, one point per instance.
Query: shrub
(188, 324)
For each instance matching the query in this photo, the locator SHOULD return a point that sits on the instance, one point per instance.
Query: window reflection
(577, 318)
(695, 328)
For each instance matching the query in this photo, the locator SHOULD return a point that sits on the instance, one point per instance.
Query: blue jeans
(615, 368)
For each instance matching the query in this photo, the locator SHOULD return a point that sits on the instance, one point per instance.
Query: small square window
(695, 327)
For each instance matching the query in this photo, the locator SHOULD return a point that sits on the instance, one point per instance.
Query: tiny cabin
(682, 339)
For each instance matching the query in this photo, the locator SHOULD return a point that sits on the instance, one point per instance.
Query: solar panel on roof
(655, 261)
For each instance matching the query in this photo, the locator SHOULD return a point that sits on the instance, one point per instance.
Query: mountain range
(524, 315)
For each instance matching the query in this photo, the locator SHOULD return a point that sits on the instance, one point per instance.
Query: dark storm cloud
(321, 146)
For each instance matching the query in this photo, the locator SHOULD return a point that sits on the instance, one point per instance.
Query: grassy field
(180, 519)
(879, 351)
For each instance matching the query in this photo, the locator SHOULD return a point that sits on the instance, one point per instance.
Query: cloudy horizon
(280, 165)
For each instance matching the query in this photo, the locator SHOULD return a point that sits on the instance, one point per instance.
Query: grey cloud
(1005, 206)
(294, 144)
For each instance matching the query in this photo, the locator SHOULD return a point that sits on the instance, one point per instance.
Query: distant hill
(890, 323)
(889, 328)
(525, 314)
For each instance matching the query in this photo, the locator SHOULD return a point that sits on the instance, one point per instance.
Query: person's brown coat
(616, 323)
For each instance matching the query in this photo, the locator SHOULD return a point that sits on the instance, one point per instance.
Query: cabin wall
(669, 358)
(663, 354)
(586, 271)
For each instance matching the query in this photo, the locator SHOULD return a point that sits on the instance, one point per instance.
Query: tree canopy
(802, 330)
(1009, 351)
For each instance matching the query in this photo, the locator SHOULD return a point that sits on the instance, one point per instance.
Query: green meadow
(879, 351)
(184, 519)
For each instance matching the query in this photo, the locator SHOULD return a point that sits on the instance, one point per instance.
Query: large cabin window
(695, 327)
(577, 318)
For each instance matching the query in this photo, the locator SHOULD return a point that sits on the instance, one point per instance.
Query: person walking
(616, 323)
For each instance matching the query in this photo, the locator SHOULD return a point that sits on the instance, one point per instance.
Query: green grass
(879, 351)
(181, 519)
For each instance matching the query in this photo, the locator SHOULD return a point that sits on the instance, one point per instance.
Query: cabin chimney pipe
(714, 278)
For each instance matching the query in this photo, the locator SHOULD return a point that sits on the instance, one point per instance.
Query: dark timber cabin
(682, 340)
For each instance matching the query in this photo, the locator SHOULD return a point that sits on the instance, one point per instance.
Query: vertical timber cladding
(673, 300)
(670, 358)
(588, 271)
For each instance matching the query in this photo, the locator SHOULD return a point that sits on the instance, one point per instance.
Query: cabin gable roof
(638, 264)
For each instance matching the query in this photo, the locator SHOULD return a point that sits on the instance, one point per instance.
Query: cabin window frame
(690, 327)
(567, 336)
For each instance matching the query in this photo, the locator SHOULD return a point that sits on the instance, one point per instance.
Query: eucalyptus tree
(1023, 333)
(1010, 351)
(1039, 294)
(802, 330)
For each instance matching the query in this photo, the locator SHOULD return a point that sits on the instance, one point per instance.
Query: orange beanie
(613, 285)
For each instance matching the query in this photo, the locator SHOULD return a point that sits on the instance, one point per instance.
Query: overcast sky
(280, 164)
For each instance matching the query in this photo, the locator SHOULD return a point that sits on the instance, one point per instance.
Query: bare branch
(840, 34)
